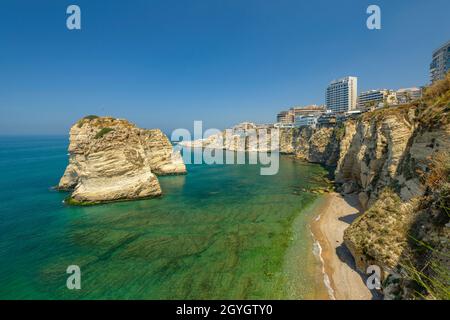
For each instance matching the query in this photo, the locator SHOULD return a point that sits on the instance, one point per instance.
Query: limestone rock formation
(111, 159)
(376, 147)
(162, 159)
(319, 145)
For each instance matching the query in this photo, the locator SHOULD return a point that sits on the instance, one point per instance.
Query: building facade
(376, 98)
(312, 109)
(440, 64)
(327, 120)
(309, 121)
(406, 95)
(341, 95)
(286, 117)
(280, 125)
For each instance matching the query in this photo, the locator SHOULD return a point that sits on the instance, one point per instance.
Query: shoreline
(333, 216)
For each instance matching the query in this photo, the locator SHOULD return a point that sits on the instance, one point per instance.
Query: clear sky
(167, 63)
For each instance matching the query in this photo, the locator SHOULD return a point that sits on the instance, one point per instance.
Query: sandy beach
(334, 215)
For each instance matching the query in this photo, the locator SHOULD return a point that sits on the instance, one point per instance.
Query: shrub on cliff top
(89, 117)
(439, 171)
(434, 112)
(438, 88)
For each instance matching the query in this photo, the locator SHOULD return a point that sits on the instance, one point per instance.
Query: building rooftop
(341, 79)
(408, 89)
(374, 90)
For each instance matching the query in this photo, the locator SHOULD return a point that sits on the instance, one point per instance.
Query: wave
(317, 251)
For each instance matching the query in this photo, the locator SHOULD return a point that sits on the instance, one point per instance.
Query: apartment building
(286, 117)
(406, 95)
(376, 98)
(307, 120)
(440, 63)
(341, 95)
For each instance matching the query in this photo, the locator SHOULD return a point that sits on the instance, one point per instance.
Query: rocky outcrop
(377, 145)
(162, 159)
(379, 236)
(287, 140)
(111, 159)
(319, 145)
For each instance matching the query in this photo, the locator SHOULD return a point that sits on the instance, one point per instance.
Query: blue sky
(167, 63)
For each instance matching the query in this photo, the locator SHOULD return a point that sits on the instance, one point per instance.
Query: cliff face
(315, 145)
(387, 157)
(160, 154)
(375, 148)
(112, 159)
(369, 153)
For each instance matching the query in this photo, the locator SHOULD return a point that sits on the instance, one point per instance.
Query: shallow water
(222, 231)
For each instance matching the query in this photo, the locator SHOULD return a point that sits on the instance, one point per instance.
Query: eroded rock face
(379, 236)
(374, 149)
(319, 145)
(111, 159)
(382, 149)
(162, 159)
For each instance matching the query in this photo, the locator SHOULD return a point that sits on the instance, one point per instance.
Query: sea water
(219, 232)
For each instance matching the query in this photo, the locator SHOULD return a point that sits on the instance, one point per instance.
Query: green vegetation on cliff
(102, 132)
(90, 117)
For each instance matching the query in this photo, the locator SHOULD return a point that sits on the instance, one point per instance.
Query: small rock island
(113, 160)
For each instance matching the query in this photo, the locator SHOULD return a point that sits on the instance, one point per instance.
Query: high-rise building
(440, 64)
(341, 94)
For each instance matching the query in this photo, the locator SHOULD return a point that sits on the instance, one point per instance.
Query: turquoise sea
(220, 232)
